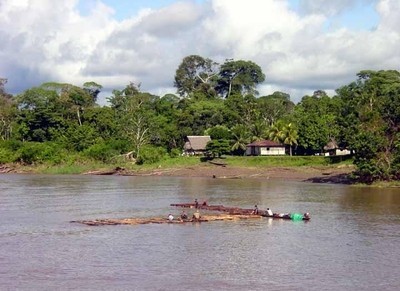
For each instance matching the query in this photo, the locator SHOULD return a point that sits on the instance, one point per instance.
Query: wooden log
(218, 163)
(162, 220)
(221, 208)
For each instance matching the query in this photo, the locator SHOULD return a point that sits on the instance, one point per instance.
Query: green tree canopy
(7, 111)
(134, 113)
(196, 74)
(239, 77)
(316, 117)
(371, 113)
(275, 106)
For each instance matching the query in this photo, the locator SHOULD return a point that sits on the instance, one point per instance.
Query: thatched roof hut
(196, 144)
(331, 145)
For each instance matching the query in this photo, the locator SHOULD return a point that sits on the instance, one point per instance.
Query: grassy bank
(284, 161)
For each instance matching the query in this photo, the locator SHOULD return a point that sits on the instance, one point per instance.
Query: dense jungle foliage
(62, 123)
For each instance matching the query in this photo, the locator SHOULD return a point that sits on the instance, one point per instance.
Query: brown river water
(351, 242)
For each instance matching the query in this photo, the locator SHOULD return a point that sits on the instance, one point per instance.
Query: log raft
(220, 208)
(163, 220)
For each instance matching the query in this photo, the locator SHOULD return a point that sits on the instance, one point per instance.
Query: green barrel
(296, 216)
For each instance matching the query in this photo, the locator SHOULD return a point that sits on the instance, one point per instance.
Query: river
(351, 242)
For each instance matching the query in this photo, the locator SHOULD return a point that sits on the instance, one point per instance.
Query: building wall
(265, 151)
(340, 152)
(275, 151)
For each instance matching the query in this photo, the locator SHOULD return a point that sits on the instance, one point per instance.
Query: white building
(265, 148)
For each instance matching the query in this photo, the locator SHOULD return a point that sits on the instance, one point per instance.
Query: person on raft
(196, 216)
(269, 212)
(170, 217)
(255, 210)
(184, 215)
(196, 203)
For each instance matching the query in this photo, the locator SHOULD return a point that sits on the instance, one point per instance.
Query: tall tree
(72, 98)
(201, 115)
(316, 117)
(196, 74)
(93, 89)
(239, 77)
(133, 112)
(373, 102)
(244, 108)
(166, 131)
(7, 111)
(275, 106)
(39, 117)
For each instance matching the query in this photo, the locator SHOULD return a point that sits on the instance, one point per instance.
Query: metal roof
(265, 143)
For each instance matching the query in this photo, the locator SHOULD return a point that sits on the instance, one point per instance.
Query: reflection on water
(350, 243)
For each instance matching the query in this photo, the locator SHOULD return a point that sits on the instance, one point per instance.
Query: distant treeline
(57, 122)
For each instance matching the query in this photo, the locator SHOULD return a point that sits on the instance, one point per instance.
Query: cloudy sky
(301, 45)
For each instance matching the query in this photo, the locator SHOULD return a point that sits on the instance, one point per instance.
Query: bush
(37, 152)
(8, 151)
(101, 152)
(121, 146)
(150, 155)
(218, 147)
(6, 156)
(175, 153)
(12, 145)
(79, 138)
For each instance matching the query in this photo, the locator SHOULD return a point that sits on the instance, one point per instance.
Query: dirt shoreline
(328, 174)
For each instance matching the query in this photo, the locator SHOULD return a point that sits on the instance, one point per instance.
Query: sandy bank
(326, 174)
(330, 174)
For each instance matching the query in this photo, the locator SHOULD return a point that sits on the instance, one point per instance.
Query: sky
(301, 45)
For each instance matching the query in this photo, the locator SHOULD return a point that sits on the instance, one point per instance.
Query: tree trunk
(79, 117)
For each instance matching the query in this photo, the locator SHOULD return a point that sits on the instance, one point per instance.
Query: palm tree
(275, 132)
(289, 136)
(283, 133)
(257, 129)
(241, 137)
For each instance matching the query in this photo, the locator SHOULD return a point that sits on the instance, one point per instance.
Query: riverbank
(311, 170)
(321, 174)
(318, 174)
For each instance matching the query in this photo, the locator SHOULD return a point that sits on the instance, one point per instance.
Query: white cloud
(51, 41)
(330, 7)
(389, 12)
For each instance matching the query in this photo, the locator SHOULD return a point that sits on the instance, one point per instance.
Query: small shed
(196, 144)
(265, 148)
(332, 149)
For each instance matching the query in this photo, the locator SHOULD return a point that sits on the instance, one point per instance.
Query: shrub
(6, 156)
(12, 145)
(101, 152)
(174, 153)
(8, 151)
(150, 155)
(37, 152)
(120, 145)
(79, 138)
